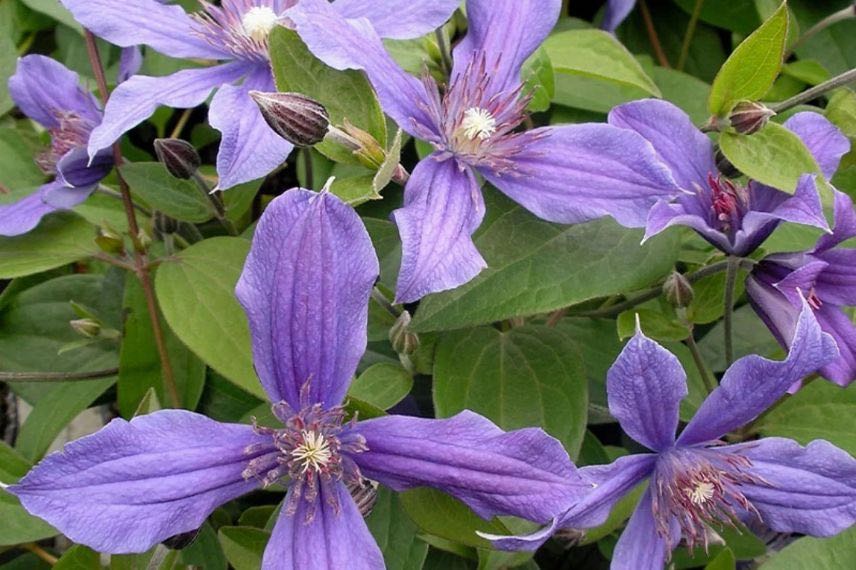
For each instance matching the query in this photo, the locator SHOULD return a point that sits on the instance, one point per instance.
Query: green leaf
(18, 525)
(809, 553)
(658, 321)
(841, 110)
(355, 190)
(739, 16)
(441, 515)
(752, 68)
(596, 54)
(17, 168)
(140, 367)
(808, 414)
(536, 267)
(179, 199)
(205, 551)
(383, 385)
(390, 164)
(345, 94)
(708, 298)
(196, 291)
(540, 80)
(78, 557)
(395, 533)
(751, 336)
(528, 376)
(59, 239)
(243, 546)
(774, 155)
(8, 61)
(55, 10)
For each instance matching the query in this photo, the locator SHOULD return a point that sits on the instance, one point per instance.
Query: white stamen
(702, 493)
(258, 22)
(479, 123)
(314, 452)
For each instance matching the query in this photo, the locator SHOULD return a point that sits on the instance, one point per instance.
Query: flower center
(314, 452)
(478, 123)
(310, 453)
(73, 131)
(697, 488)
(258, 22)
(728, 202)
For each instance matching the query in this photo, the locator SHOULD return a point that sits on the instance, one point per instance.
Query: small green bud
(678, 290)
(110, 241)
(89, 328)
(403, 340)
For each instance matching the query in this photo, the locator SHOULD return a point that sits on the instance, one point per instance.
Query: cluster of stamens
(698, 488)
(729, 202)
(241, 27)
(310, 453)
(71, 132)
(813, 300)
(476, 127)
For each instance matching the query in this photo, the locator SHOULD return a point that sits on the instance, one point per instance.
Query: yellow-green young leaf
(753, 66)
(774, 155)
(596, 54)
(196, 291)
(345, 94)
(841, 110)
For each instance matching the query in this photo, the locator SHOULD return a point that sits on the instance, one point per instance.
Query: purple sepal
(305, 288)
(524, 473)
(18, 218)
(399, 19)
(134, 484)
(616, 12)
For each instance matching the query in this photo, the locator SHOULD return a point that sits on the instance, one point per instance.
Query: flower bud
(179, 157)
(748, 117)
(403, 340)
(110, 241)
(678, 291)
(296, 118)
(89, 328)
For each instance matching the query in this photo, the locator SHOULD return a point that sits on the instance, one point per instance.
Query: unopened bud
(300, 120)
(179, 157)
(403, 340)
(749, 117)
(678, 291)
(90, 328)
(110, 241)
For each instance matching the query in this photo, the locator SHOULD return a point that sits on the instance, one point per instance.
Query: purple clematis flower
(616, 12)
(696, 480)
(734, 218)
(566, 174)
(51, 95)
(234, 34)
(827, 276)
(305, 288)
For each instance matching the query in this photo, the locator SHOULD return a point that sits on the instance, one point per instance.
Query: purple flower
(826, 274)
(234, 34)
(734, 218)
(616, 12)
(696, 480)
(51, 95)
(305, 289)
(564, 174)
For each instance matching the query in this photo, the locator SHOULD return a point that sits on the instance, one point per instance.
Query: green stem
(843, 14)
(706, 376)
(381, 300)
(816, 91)
(140, 255)
(217, 202)
(688, 36)
(56, 376)
(443, 46)
(733, 266)
(651, 293)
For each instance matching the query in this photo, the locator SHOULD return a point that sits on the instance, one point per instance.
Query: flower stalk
(140, 256)
(816, 91)
(732, 267)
